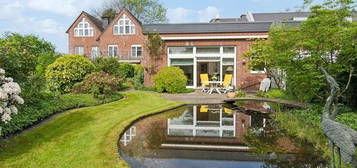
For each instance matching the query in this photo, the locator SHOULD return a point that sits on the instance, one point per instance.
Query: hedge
(32, 113)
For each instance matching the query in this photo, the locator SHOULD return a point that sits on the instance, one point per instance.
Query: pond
(215, 136)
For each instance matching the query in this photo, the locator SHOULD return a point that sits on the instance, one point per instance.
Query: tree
(147, 11)
(19, 55)
(9, 97)
(66, 71)
(156, 47)
(326, 39)
(24, 58)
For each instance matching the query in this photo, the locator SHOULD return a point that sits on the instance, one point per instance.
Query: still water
(215, 136)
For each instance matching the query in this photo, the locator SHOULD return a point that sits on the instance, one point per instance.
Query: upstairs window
(124, 26)
(136, 50)
(83, 29)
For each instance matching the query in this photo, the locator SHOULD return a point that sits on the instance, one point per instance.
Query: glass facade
(216, 61)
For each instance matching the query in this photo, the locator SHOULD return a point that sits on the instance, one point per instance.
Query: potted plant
(231, 93)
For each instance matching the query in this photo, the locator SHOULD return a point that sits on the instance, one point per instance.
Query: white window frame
(110, 53)
(79, 50)
(134, 53)
(196, 56)
(95, 53)
(120, 27)
(82, 28)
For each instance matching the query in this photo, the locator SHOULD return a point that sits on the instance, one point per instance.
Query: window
(83, 29)
(228, 50)
(181, 50)
(112, 50)
(79, 50)
(95, 52)
(258, 69)
(208, 50)
(136, 51)
(124, 26)
(186, 65)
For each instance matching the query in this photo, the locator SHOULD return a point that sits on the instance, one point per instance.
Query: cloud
(179, 15)
(11, 10)
(208, 13)
(183, 15)
(49, 26)
(63, 7)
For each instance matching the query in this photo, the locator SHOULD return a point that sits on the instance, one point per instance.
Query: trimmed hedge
(32, 113)
(170, 80)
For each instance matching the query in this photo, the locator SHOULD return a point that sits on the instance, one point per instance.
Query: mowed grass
(85, 137)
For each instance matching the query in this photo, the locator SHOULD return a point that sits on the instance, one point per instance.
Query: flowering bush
(99, 84)
(9, 97)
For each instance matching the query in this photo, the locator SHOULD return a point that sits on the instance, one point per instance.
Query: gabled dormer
(85, 25)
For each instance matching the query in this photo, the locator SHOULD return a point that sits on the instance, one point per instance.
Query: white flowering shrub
(9, 97)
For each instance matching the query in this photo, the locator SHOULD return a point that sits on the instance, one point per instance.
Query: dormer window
(124, 26)
(83, 29)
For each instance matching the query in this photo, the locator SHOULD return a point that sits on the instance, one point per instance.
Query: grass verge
(85, 137)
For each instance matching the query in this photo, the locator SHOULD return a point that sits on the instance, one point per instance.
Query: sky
(49, 19)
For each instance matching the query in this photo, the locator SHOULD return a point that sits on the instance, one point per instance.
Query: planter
(231, 95)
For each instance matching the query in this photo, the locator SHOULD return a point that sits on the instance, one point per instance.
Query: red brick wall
(86, 42)
(244, 78)
(124, 42)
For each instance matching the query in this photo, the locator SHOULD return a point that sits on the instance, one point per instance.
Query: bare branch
(348, 83)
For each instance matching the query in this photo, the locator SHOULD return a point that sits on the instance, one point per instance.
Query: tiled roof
(208, 27)
(283, 16)
(96, 21)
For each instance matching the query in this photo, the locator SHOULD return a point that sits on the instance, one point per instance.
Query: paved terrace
(199, 97)
(196, 97)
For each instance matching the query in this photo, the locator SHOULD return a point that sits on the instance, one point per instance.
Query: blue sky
(49, 19)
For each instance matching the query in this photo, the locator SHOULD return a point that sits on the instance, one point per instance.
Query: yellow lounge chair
(227, 82)
(204, 82)
(204, 109)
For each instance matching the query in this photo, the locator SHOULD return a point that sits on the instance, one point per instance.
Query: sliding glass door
(215, 61)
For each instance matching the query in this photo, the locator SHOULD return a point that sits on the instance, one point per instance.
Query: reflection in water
(208, 136)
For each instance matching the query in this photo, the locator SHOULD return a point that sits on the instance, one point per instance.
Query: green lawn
(85, 137)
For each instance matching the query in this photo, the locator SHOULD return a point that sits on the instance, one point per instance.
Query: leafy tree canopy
(20, 55)
(147, 11)
(326, 39)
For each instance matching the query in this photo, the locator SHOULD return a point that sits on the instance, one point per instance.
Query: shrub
(47, 105)
(276, 94)
(109, 65)
(66, 71)
(99, 84)
(240, 93)
(126, 70)
(9, 97)
(138, 77)
(171, 80)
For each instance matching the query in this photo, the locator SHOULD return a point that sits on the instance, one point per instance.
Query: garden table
(214, 86)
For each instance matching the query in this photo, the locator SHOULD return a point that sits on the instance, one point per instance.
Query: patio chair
(204, 109)
(204, 82)
(227, 82)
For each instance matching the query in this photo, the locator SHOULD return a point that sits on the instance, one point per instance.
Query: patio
(196, 97)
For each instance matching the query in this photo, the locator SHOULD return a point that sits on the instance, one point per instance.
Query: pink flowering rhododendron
(9, 97)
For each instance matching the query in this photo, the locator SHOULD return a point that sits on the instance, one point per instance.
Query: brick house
(215, 48)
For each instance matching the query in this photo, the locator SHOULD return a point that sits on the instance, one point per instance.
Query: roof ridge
(205, 23)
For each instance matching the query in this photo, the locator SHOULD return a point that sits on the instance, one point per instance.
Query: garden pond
(216, 136)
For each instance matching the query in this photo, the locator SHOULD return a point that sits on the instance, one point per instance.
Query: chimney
(106, 21)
